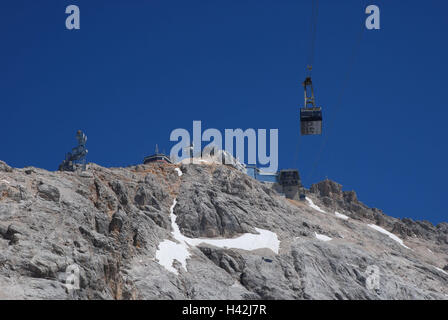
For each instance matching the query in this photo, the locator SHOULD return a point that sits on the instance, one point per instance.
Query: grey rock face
(48, 192)
(118, 219)
(110, 223)
(4, 167)
(331, 195)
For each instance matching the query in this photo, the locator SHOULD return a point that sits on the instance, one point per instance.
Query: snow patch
(179, 172)
(5, 181)
(312, 205)
(441, 270)
(322, 237)
(341, 216)
(168, 251)
(387, 233)
(247, 241)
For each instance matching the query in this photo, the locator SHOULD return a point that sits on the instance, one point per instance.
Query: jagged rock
(104, 199)
(120, 190)
(424, 229)
(30, 170)
(277, 280)
(143, 197)
(203, 214)
(48, 192)
(230, 261)
(102, 223)
(15, 229)
(3, 230)
(350, 196)
(12, 192)
(158, 218)
(327, 188)
(4, 167)
(112, 222)
(402, 230)
(97, 239)
(41, 266)
(442, 227)
(118, 219)
(15, 233)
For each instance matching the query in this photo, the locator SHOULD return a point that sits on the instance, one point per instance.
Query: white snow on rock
(340, 215)
(5, 181)
(168, 251)
(312, 205)
(322, 237)
(441, 270)
(387, 233)
(247, 241)
(179, 172)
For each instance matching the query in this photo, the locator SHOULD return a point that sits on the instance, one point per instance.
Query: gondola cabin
(310, 114)
(311, 121)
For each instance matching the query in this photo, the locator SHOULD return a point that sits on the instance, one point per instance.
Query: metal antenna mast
(77, 156)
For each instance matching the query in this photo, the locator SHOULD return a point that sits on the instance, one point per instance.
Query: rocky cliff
(205, 231)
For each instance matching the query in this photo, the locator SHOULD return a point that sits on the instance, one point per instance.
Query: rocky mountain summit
(205, 231)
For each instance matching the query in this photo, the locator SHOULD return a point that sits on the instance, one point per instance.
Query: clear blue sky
(136, 70)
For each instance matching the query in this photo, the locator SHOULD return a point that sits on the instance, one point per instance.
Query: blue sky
(136, 70)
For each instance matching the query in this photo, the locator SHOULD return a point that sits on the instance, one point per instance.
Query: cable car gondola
(310, 115)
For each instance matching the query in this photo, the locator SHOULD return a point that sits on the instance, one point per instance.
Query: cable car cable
(311, 52)
(352, 59)
(313, 29)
